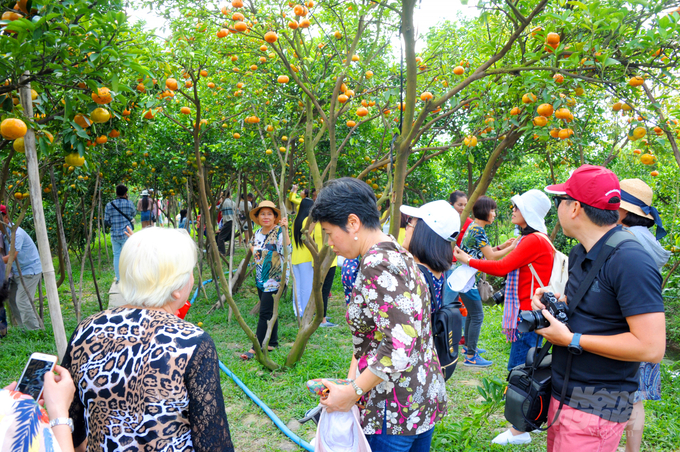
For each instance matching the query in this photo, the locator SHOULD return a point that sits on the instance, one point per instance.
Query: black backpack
(447, 329)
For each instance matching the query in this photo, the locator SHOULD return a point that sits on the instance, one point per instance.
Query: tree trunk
(487, 175)
(60, 231)
(40, 225)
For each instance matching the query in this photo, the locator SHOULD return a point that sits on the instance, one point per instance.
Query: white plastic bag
(340, 432)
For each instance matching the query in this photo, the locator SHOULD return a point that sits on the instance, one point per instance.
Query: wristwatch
(357, 389)
(62, 421)
(574, 347)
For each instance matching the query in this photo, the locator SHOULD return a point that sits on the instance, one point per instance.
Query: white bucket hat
(440, 216)
(534, 206)
(145, 192)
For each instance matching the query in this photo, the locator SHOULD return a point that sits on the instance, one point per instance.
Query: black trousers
(326, 288)
(225, 236)
(266, 313)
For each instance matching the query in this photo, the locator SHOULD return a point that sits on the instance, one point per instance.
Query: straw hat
(263, 204)
(639, 190)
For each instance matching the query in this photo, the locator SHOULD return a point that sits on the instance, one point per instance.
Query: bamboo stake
(86, 252)
(40, 225)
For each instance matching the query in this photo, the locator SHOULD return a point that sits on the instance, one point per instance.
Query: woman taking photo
(394, 363)
(533, 247)
(476, 244)
(267, 246)
(145, 378)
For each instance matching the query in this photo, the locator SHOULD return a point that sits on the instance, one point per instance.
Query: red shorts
(577, 430)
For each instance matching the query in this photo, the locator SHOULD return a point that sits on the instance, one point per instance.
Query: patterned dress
(268, 257)
(389, 317)
(146, 381)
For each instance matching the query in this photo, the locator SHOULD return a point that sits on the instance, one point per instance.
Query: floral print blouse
(389, 317)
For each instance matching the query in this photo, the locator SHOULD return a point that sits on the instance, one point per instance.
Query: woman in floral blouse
(394, 362)
(267, 246)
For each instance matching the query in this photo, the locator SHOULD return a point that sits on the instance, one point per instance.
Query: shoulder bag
(120, 212)
(527, 398)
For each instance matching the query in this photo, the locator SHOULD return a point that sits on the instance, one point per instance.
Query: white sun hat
(440, 216)
(145, 192)
(534, 206)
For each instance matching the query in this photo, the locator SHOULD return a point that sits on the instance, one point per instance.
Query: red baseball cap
(3, 209)
(593, 185)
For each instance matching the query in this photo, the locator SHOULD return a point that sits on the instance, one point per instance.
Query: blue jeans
(449, 295)
(117, 248)
(474, 319)
(520, 348)
(383, 442)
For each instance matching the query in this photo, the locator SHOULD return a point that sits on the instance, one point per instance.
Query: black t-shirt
(628, 284)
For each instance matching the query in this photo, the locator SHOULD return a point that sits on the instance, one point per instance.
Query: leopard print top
(147, 381)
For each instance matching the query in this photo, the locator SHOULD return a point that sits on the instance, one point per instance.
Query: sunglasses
(558, 199)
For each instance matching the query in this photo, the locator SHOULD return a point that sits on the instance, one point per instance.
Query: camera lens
(528, 321)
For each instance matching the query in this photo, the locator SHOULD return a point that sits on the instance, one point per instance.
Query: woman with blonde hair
(145, 378)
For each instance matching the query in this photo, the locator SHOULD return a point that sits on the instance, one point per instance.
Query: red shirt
(531, 250)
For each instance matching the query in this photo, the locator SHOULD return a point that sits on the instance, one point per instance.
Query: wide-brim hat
(145, 192)
(639, 190)
(268, 204)
(534, 206)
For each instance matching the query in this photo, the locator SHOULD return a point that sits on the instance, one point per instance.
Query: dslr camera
(499, 296)
(535, 320)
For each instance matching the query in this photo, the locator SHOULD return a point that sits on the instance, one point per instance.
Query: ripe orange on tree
(238, 17)
(369, 74)
(240, 26)
(141, 87)
(305, 23)
(222, 33)
(362, 111)
(270, 37)
(654, 173)
(637, 151)
(188, 84)
(529, 98)
(545, 110)
(458, 70)
(237, 135)
(617, 106)
(293, 24)
(563, 113)
(185, 110)
(102, 139)
(13, 128)
(555, 133)
(639, 132)
(342, 98)
(515, 111)
(82, 120)
(283, 79)
(470, 141)
(148, 114)
(658, 130)
(114, 133)
(204, 73)
(102, 96)
(426, 96)
(237, 3)
(540, 121)
(171, 84)
(647, 159)
(351, 123)
(559, 78)
(566, 133)
(636, 81)
(355, 57)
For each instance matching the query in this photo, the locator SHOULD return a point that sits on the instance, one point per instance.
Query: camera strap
(610, 245)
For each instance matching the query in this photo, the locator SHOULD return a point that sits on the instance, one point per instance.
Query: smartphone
(32, 379)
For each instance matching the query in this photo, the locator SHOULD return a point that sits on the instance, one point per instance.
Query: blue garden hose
(277, 421)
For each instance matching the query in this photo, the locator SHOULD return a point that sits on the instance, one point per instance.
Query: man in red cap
(614, 322)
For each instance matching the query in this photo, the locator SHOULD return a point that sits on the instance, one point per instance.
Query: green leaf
(386, 361)
(408, 329)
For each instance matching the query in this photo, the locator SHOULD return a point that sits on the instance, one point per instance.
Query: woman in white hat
(636, 212)
(533, 247)
(267, 246)
(144, 206)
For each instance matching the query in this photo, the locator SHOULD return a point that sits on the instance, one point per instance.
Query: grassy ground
(467, 427)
